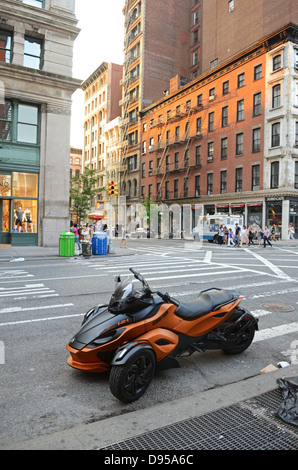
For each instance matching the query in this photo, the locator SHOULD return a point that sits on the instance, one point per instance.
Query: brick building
(156, 48)
(228, 140)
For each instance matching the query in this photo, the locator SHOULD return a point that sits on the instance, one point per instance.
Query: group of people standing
(246, 236)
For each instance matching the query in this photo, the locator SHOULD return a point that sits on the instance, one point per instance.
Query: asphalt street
(43, 302)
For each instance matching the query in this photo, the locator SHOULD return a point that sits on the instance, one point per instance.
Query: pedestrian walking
(87, 232)
(237, 235)
(77, 236)
(244, 236)
(251, 234)
(266, 236)
(291, 231)
(123, 236)
(230, 237)
(260, 235)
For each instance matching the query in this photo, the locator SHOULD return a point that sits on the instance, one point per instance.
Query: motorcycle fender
(124, 353)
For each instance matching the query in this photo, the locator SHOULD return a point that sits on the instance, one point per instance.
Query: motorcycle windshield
(124, 289)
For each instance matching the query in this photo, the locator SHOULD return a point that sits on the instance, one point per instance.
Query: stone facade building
(36, 51)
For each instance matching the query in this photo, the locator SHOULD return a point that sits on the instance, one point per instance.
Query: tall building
(229, 139)
(102, 93)
(36, 51)
(156, 48)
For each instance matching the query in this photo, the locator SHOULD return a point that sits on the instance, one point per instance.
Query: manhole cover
(278, 307)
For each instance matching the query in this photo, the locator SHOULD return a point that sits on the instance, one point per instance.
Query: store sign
(5, 185)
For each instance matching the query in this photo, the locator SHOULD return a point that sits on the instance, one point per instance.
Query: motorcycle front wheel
(130, 381)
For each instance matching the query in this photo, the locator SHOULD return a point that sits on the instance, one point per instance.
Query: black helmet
(126, 297)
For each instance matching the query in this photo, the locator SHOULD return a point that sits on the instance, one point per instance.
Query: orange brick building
(213, 140)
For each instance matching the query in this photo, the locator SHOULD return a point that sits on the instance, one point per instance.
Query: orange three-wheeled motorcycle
(140, 330)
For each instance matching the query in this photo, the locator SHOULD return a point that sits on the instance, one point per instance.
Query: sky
(100, 40)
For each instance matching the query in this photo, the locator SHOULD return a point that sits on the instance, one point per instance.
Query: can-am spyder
(141, 329)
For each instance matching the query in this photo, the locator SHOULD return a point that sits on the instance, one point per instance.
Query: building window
(143, 170)
(257, 104)
(223, 181)
(199, 100)
(196, 17)
(27, 127)
(239, 144)
(258, 72)
(195, 36)
(224, 148)
(211, 122)
(185, 187)
(256, 140)
(5, 120)
(240, 110)
(275, 136)
(199, 126)
(296, 134)
(34, 3)
(176, 188)
(255, 178)
(195, 58)
(276, 62)
(210, 151)
(32, 53)
(274, 175)
(240, 80)
(276, 96)
(197, 186)
(198, 155)
(225, 87)
(5, 46)
(238, 180)
(224, 116)
(209, 183)
(176, 162)
(296, 176)
(231, 5)
(213, 64)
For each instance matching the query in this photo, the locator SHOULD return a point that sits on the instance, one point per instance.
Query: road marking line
(275, 331)
(29, 309)
(271, 266)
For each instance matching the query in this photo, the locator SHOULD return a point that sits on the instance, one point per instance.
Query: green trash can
(67, 244)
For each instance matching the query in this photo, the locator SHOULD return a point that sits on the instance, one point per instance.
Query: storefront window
(254, 214)
(5, 185)
(25, 185)
(274, 214)
(25, 216)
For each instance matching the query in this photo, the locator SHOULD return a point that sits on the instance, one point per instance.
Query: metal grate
(249, 425)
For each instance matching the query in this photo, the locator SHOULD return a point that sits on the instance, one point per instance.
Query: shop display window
(5, 185)
(25, 185)
(25, 216)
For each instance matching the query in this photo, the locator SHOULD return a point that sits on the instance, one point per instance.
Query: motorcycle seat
(205, 303)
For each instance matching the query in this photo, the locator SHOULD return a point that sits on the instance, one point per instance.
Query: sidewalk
(231, 417)
(15, 253)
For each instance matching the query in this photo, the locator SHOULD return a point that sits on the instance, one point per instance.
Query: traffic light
(113, 189)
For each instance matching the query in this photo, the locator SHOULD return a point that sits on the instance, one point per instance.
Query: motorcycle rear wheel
(130, 381)
(243, 342)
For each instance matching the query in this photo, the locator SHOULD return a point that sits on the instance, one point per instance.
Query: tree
(82, 189)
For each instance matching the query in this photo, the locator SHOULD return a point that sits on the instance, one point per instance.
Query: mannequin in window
(19, 214)
(28, 220)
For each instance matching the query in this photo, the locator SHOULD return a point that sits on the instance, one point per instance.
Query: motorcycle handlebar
(139, 277)
(167, 298)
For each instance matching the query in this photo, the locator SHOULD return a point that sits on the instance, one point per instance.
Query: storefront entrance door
(5, 236)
